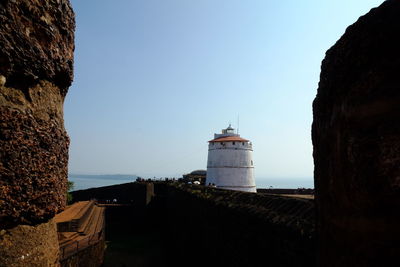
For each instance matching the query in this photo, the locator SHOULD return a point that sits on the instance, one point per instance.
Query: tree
(70, 186)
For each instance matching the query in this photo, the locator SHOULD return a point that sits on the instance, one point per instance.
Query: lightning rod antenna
(238, 124)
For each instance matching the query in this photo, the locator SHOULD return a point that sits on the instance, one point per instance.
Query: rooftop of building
(228, 139)
(199, 172)
(228, 135)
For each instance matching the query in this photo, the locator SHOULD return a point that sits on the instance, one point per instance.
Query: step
(73, 238)
(70, 212)
(101, 220)
(84, 212)
(91, 227)
(97, 225)
(84, 209)
(86, 222)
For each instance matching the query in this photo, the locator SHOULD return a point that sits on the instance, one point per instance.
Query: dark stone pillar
(356, 138)
(36, 59)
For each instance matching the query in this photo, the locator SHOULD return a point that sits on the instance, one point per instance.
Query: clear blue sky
(154, 79)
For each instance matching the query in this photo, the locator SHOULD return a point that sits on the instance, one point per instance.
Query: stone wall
(202, 226)
(206, 225)
(288, 191)
(129, 193)
(356, 138)
(26, 245)
(91, 256)
(36, 60)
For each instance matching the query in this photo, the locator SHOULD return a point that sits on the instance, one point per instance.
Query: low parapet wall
(198, 225)
(236, 228)
(138, 193)
(89, 256)
(289, 191)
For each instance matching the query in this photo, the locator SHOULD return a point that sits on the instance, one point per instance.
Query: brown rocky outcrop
(36, 58)
(37, 43)
(26, 245)
(356, 138)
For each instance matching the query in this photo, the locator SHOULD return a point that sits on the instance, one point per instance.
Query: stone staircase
(79, 226)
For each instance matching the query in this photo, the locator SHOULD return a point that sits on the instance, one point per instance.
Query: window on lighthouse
(233, 143)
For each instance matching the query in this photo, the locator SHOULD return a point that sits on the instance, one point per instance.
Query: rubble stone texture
(356, 138)
(25, 245)
(36, 58)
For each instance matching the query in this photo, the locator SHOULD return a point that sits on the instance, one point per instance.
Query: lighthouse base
(238, 179)
(251, 189)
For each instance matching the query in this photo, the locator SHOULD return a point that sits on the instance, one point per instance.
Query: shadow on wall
(196, 225)
(356, 138)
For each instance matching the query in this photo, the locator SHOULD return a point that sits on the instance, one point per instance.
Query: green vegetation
(70, 186)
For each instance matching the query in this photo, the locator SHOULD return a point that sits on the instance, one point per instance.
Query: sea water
(83, 181)
(292, 183)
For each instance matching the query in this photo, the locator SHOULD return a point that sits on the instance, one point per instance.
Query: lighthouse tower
(230, 162)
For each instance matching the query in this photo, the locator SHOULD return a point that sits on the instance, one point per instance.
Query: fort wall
(36, 65)
(29, 245)
(238, 228)
(356, 138)
(90, 256)
(199, 224)
(128, 193)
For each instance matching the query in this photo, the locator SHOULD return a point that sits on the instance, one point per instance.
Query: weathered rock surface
(36, 57)
(26, 245)
(37, 42)
(356, 138)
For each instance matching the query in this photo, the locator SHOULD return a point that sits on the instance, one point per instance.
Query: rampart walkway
(79, 226)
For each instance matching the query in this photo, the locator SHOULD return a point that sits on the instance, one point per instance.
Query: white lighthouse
(230, 162)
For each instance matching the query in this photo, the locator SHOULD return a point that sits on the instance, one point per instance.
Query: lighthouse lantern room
(230, 162)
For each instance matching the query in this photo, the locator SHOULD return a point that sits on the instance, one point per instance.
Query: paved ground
(70, 212)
